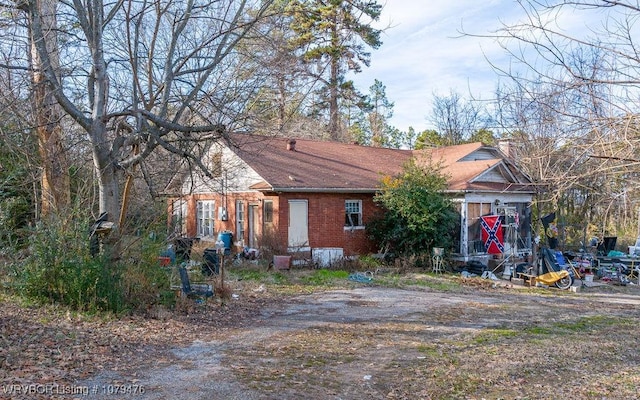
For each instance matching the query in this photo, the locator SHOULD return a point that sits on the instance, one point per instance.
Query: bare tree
(139, 76)
(55, 184)
(455, 118)
(281, 99)
(571, 105)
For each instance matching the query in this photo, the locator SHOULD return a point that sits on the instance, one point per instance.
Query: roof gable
(474, 166)
(496, 173)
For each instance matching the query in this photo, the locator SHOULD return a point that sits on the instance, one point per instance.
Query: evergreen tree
(381, 110)
(483, 135)
(429, 138)
(371, 125)
(333, 36)
(17, 180)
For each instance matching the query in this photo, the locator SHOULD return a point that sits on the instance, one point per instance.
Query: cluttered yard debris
(362, 277)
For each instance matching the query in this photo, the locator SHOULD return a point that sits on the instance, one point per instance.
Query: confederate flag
(492, 234)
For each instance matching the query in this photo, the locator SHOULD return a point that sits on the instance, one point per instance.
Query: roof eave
(319, 190)
(467, 190)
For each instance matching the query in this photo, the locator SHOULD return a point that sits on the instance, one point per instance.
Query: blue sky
(422, 53)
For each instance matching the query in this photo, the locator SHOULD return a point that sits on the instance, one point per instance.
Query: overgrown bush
(143, 281)
(60, 269)
(15, 213)
(418, 215)
(17, 151)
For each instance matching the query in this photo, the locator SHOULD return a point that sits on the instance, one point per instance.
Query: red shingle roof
(334, 166)
(465, 173)
(315, 165)
(450, 154)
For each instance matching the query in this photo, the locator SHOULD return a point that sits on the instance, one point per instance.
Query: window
(179, 210)
(205, 214)
(240, 220)
(267, 213)
(353, 213)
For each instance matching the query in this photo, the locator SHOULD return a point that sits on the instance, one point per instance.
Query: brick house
(316, 197)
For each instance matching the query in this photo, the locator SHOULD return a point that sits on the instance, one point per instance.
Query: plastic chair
(437, 263)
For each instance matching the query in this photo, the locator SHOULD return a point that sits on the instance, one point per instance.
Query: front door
(298, 225)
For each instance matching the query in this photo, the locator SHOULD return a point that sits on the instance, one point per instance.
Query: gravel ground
(363, 342)
(379, 343)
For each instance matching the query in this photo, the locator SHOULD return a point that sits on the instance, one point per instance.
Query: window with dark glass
(353, 213)
(267, 214)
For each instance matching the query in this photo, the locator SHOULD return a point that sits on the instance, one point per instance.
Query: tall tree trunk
(282, 95)
(55, 182)
(108, 176)
(334, 112)
(109, 186)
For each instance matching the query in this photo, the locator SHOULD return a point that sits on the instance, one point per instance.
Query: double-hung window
(205, 210)
(267, 213)
(240, 220)
(353, 213)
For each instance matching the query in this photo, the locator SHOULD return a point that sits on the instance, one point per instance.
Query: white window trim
(201, 206)
(240, 221)
(354, 227)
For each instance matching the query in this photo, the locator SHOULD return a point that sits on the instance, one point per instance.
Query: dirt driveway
(386, 343)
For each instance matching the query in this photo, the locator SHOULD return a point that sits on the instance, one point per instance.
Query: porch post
(464, 230)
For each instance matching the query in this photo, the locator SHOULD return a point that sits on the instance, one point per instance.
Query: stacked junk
(553, 267)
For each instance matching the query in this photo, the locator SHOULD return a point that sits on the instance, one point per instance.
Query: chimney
(291, 145)
(506, 146)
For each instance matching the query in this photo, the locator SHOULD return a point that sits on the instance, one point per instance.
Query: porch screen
(474, 230)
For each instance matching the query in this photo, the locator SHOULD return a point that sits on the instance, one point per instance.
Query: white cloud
(423, 52)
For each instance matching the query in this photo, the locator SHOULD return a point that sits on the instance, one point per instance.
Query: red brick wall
(326, 220)
(326, 215)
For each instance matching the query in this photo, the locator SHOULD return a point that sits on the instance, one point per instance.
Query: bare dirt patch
(360, 342)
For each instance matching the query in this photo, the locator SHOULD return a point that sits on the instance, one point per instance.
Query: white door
(298, 225)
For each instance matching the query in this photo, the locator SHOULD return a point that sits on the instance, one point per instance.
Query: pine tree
(334, 35)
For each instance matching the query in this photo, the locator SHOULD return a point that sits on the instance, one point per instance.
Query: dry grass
(409, 361)
(540, 343)
(477, 341)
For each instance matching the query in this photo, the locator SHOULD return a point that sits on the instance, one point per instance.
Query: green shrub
(60, 269)
(144, 282)
(418, 215)
(14, 216)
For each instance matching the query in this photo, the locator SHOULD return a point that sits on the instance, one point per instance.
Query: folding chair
(195, 290)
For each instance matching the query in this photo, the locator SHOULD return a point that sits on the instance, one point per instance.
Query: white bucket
(588, 278)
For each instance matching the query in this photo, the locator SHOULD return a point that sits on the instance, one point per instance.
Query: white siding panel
(481, 154)
(236, 176)
(492, 176)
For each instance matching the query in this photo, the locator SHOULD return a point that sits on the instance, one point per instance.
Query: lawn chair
(195, 290)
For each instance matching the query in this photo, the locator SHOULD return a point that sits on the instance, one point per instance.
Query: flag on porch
(492, 234)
